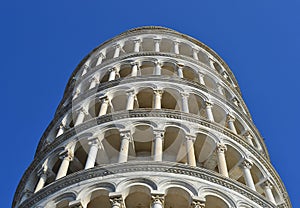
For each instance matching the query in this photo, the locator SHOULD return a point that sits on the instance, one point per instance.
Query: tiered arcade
(151, 118)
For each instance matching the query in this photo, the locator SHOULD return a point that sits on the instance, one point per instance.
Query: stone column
(157, 98)
(112, 74)
(201, 79)
(125, 139)
(211, 63)
(81, 115)
(158, 145)
(176, 47)
(157, 44)
(104, 106)
(235, 101)
(134, 69)
(249, 138)
(61, 130)
(117, 51)
(43, 177)
(268, 191)
(208, 109)
(230, 120)
(101, 56)
(94, 82)
(157, 70)
(185, 104)
(76, 93)
(86, 66)
(130, 100)
(220, 89)
(157, 201)
(137, 44)
(180, 70)
(246, 167)
(222, 165)
(116, 201)
(195, 54)
(91, 159)
(66, 157)
(190, 152)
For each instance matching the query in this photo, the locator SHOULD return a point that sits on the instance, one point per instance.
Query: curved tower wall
(153, 118)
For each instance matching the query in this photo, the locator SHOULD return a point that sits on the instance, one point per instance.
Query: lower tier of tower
(146, 184)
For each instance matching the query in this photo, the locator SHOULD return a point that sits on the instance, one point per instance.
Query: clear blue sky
(43, 41)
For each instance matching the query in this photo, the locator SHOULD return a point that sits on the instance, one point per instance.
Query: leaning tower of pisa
(151, 118)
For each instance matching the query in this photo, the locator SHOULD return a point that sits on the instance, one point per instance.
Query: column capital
(113, 69)
(75, 204)
(93, 141)
(116, 200)
(84, 110)
(156, 40)
(43, 172)
(208, 104)
(221, 147)
(100, 55)
(66, 154)
(103, 99)
(159, 133)
(95, 79)
(158, 63)
(130, 92)
(137, 40)
(191, 138)
(247, 164)
(118, 45)
(125, 135)
(157, 198)
(267, 184)
(195, 49)
(158, 92)
(180, 65)
(248, 135)
(230, 117)
(185, 94)
(134, 63)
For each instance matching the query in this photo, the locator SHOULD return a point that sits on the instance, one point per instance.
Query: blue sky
(43, 41)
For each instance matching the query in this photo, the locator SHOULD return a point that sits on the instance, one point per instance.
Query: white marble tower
(151, 118)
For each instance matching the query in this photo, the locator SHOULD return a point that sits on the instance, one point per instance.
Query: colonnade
(126, 141)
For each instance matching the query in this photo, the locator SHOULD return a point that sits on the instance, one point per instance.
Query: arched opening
(168, 69)
(138, 196)
(174, 149)
(203, 57)
(111, 147)
(177, 198)
(205, 152)
(125, 70)
(196, 105)
(215, 202)
(166, 45)
(119, 101)
(143, 142)
(128, 46)
(233, 161)
(219, 114)
(239, 127)
(147, 68)
(98, 199)
(145, 98)
(185, 49)
(148, 44)
(80, 155)
(62, 204)
(105, 76)
(171, 99)
(94, 108)
(210, 83)
(190, 74)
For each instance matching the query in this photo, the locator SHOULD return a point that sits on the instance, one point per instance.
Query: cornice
(170, 114)
(162, 167)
